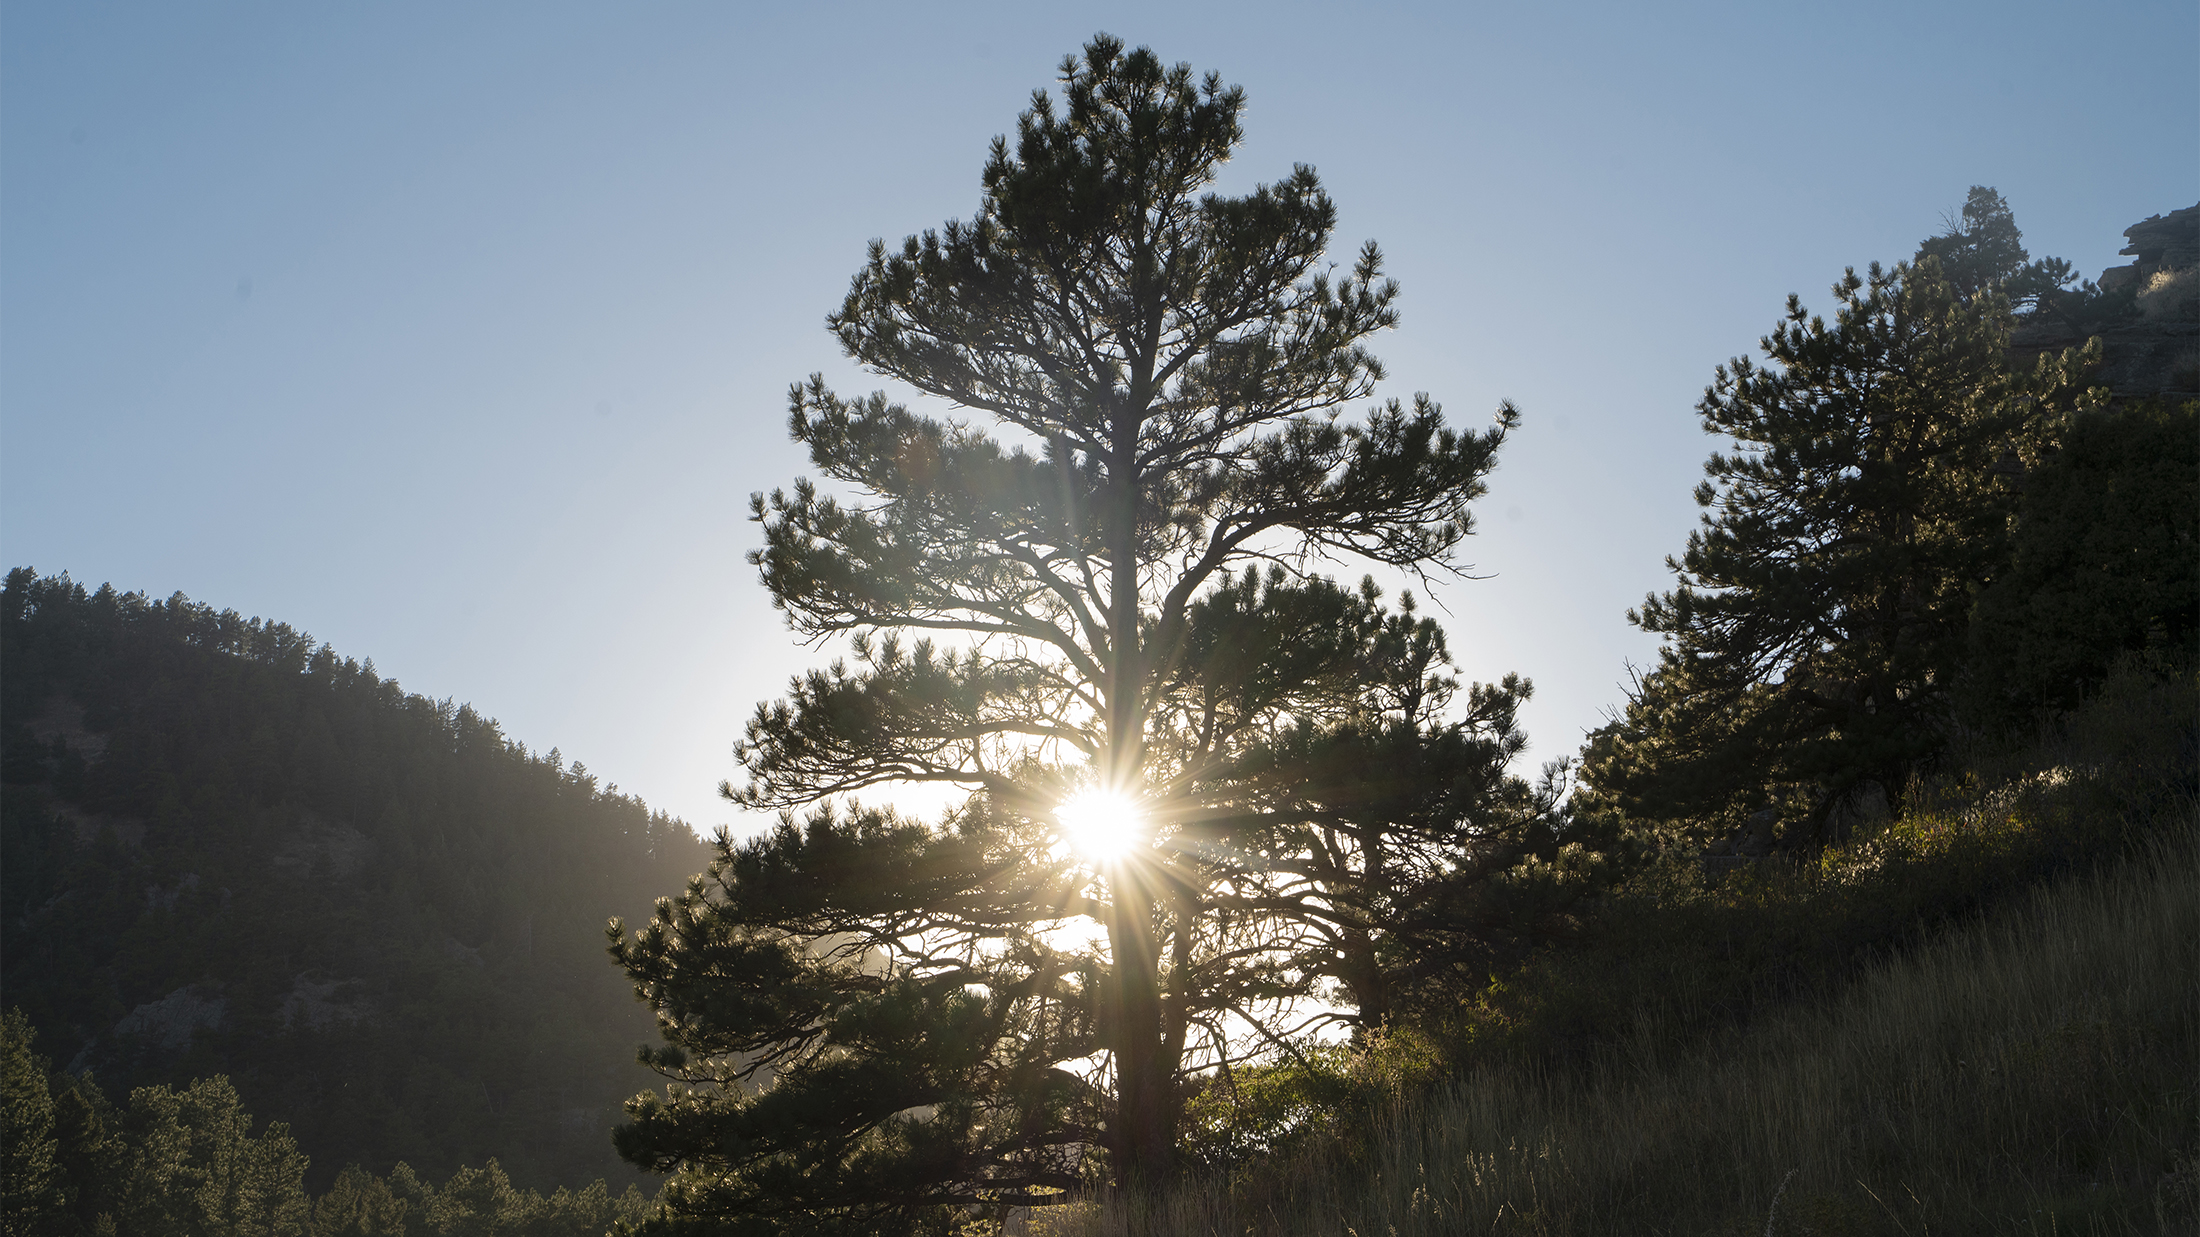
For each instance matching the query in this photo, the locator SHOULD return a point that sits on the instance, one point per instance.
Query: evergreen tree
(31, 1185)
(1381, 816)
(188, 1162)
(358, 1204)
(474, 1202)
(2104, 561)
(172, 1162)
(1174, 833)
(1984, 252)
(1822, 611)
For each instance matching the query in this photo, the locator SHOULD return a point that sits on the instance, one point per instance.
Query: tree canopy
(185, 1160)
(1820, 624)
(1205, 783)
(2104, 561)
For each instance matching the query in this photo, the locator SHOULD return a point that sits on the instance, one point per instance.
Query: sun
(1101, 824)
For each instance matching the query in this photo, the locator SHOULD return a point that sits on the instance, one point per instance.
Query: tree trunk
(1145, 1136)
(1144, 1077)
(1364, 976)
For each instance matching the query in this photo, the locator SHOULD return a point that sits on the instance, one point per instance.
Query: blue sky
(459, 335)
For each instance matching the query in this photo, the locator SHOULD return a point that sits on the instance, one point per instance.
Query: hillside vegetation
(1979, 1018)
(193, 1161)
(229, 851)
(1874, 908)
(1879, 904)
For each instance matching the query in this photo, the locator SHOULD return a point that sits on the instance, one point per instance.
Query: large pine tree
(1816, 634)
(1204, 783)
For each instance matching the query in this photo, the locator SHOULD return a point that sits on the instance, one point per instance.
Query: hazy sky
(459, 335)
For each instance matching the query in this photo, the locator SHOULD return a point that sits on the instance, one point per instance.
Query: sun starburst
(1101, 825)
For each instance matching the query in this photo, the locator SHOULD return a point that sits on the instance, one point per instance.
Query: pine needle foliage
(1978, 1017)
(1819, 623)
(1100, 583)
(2104, 562)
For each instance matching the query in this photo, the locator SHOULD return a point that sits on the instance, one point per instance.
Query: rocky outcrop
(62, 721)
(2159, 243)
(313, 1005)
(2149, 326)
(172, 1020)
(315, 845)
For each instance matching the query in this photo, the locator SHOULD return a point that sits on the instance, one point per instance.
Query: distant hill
(226, 849)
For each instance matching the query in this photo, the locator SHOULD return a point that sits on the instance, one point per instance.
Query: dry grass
(2169, 295)
(2034, 1072)
(2034, 1068)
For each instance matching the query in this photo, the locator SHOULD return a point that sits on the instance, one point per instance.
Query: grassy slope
(2030, 1066)
(2030, 1072)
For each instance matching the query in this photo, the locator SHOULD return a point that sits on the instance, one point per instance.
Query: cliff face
(2147, 314)
(2159, 243)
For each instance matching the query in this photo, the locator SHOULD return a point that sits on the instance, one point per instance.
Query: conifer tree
(1098, 616)
(1983, 251)
(1819, 623)
(2104, 563)
(31, 1185)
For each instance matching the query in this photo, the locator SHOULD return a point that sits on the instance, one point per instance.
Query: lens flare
(1100, 824)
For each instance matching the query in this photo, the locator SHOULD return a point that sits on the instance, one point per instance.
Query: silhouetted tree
(870, 1019)
(1381, 813)
(1822, 611)
(2105, 560)
(1983, 251)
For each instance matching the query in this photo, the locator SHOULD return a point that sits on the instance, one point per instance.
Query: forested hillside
(1870, 910)
(1241, 872)
(1240, 862)
(1882, 904)
(229, 850)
